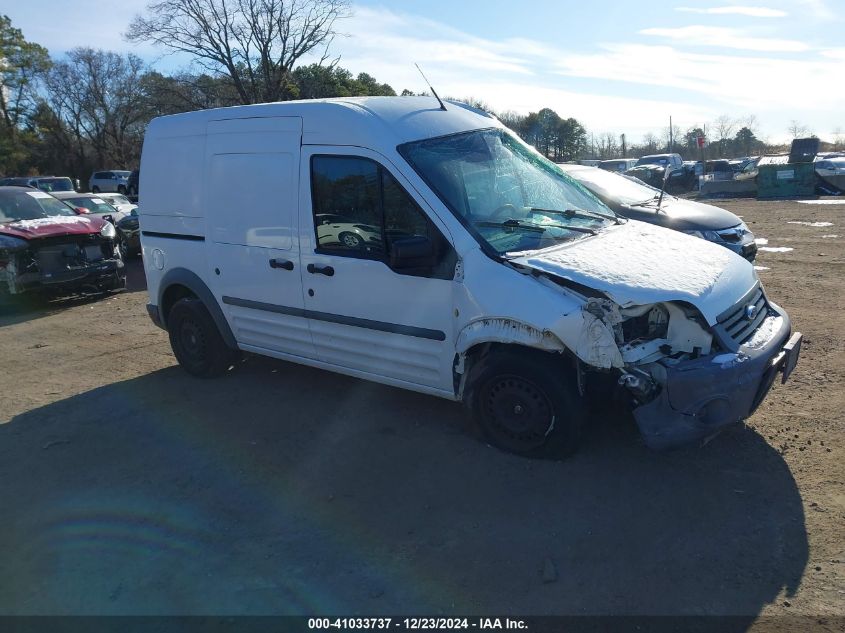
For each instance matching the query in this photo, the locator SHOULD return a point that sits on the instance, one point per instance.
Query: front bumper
(107, 274)
(701, 396)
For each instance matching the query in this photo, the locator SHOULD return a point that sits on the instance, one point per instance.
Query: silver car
(115, 180)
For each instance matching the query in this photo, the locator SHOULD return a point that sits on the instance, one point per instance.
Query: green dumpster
(788, 180)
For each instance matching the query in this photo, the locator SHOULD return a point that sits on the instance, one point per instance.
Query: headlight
(9, 243)
(710, 236)
(108, 230)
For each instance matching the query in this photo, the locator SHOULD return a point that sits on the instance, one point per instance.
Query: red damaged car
(48, 246)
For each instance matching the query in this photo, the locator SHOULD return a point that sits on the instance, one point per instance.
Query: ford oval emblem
(750, 311)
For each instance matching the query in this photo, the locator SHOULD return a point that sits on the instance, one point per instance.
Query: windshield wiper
(578, 213)
(532, 226)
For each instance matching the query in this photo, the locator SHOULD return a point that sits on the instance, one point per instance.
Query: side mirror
(81, 210)
(412, 252)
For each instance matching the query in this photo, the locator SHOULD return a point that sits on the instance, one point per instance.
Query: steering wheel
(502, 210)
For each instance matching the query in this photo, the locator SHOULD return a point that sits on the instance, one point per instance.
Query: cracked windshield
(514, 199)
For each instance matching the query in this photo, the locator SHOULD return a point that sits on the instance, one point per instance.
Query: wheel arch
(484, 337)
(179, 283)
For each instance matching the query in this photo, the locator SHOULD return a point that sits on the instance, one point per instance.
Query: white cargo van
(429, 248)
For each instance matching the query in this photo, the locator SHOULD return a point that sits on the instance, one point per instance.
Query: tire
(527, 403)
(122, 246)
(95, 189)
(121, 189)
(196, 341)
(132, 191)
(350, 240)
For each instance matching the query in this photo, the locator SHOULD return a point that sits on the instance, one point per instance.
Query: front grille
(57, 257)
(736, 324)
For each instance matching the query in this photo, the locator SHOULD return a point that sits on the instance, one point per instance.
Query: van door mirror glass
(412, 252)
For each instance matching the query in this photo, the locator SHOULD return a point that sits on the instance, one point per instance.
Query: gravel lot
(129, 487)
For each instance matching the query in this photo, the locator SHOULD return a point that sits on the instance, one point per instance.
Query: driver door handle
(315, 269)
(281, 263)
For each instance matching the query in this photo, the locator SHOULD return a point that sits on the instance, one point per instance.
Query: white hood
(637, 263)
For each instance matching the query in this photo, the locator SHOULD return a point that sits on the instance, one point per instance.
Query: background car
(114, 180)
(618, 164)
(45, 245)
(832, 172)
(632, 199)
(718, 170)
(45, 183)
(129, 227)
(673, 161)
(132, 183)
(99, 207)
(119, 201)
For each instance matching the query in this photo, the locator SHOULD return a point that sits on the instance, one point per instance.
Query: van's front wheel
(196, 341)
(527, 404)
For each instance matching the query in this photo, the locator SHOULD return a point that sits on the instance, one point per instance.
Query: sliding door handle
(281, 263)
(316, 269)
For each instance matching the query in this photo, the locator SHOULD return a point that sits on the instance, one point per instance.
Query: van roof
(366, 121)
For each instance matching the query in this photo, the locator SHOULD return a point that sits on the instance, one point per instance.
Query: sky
(615, 65)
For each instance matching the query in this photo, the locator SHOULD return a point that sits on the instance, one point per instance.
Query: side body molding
(184, 277)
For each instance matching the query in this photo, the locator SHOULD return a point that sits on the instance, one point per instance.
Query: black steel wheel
(526, 403)
(196, 341)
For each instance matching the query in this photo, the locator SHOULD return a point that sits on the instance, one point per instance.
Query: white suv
(479, 272)
(116, 181)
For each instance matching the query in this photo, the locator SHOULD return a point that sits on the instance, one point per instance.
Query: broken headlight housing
(108, 231)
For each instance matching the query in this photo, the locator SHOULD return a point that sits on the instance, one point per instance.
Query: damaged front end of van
(688, 380)
(692, 360)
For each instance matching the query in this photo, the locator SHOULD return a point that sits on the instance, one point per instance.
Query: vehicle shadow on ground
(285, 489)
(28, 307)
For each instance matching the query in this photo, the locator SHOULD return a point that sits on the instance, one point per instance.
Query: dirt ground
(128, 487)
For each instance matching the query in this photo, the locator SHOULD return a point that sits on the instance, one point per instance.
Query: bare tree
(724, 127)
(798, 130)
(99, 106)
(838, 139)
(256, 43)
(672, 138)
(650, 143)
(607, 145)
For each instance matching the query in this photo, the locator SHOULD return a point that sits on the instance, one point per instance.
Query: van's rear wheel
(526, 403)
(196, 341)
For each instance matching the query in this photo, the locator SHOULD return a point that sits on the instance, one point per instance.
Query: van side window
(346, 202)
(360, 210)
(402, 217)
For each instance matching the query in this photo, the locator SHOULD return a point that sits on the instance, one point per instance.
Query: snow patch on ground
(776, 249)
(821, 201)
(811, 223)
